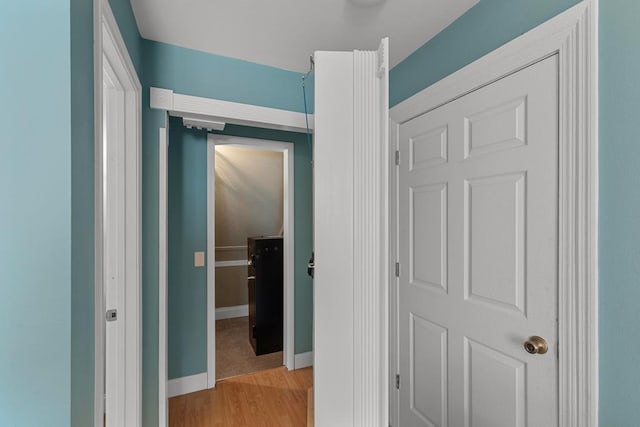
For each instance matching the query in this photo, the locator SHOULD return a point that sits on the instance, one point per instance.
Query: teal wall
(195, 73)
(82, 213)
(123, 13)
(485, 27)
(191, 72)
(188, 233)
(35, 213)
(187, 285)
(619, 213)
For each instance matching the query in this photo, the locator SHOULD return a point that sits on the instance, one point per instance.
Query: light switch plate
(198, 259)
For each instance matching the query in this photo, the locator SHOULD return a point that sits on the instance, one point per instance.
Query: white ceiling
(283, 33)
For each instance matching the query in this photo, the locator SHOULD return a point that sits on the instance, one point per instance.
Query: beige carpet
(234, 355)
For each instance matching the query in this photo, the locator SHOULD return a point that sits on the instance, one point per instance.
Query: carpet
(234, 355)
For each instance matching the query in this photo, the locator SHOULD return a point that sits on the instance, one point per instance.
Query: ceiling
(283, 33)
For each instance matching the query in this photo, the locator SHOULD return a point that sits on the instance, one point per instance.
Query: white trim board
(232, 312)
(163, 236)
(229, 112)
(573, 36)
(186, 385)
(303, 360)
(211, 265)
(110, 51)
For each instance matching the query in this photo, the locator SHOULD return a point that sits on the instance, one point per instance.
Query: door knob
(536, 345)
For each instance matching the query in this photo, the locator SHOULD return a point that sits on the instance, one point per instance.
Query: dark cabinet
(265, 278)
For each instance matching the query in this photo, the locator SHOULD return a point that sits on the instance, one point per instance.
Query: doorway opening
(248, 173)
(249, 264)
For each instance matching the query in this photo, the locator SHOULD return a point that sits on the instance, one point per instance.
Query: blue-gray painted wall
(619, 222)
(82, 213)
(187, 232)
(187, 286)
(35, 213)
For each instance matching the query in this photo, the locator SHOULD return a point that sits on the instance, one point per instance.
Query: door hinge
(398, 381)
(397, 269)
(397, 157)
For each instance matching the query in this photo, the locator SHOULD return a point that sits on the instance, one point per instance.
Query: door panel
(493, 380)
(428, 343)
(494, 240)
(428, 224)
(478, 233)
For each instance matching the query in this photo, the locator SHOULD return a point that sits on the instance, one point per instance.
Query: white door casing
(288, 222)
(350, 238)
(114, 247)
(118, 343)
(478, 242)
(163, 273)
(572, 36)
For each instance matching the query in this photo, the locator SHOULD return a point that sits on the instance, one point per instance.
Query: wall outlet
(198, 259)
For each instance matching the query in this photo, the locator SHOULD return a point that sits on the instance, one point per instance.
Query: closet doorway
(250, 237)
(246, 150)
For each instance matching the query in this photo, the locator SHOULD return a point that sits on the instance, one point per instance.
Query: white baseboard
(231, 312)
(303, 360)
(185, 385)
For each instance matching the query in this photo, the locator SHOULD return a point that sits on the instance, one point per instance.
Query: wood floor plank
(272, 398)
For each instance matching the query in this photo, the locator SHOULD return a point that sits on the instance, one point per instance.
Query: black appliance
(265, 281)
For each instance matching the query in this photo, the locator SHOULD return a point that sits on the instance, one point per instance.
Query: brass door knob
(536, 345)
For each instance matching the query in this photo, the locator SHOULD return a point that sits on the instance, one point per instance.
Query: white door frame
(287, 150)
(573, 36)
(228, 112)
(163, 274)
(110, 50)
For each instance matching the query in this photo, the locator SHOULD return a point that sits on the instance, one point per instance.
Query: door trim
(573, 36)
(163, 274)
(287, 150)
(109, 44)
(180, 105)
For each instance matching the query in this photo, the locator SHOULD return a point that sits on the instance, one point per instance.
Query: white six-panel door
(478, 221)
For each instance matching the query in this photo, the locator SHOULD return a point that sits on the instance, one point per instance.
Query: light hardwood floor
(273, 398)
